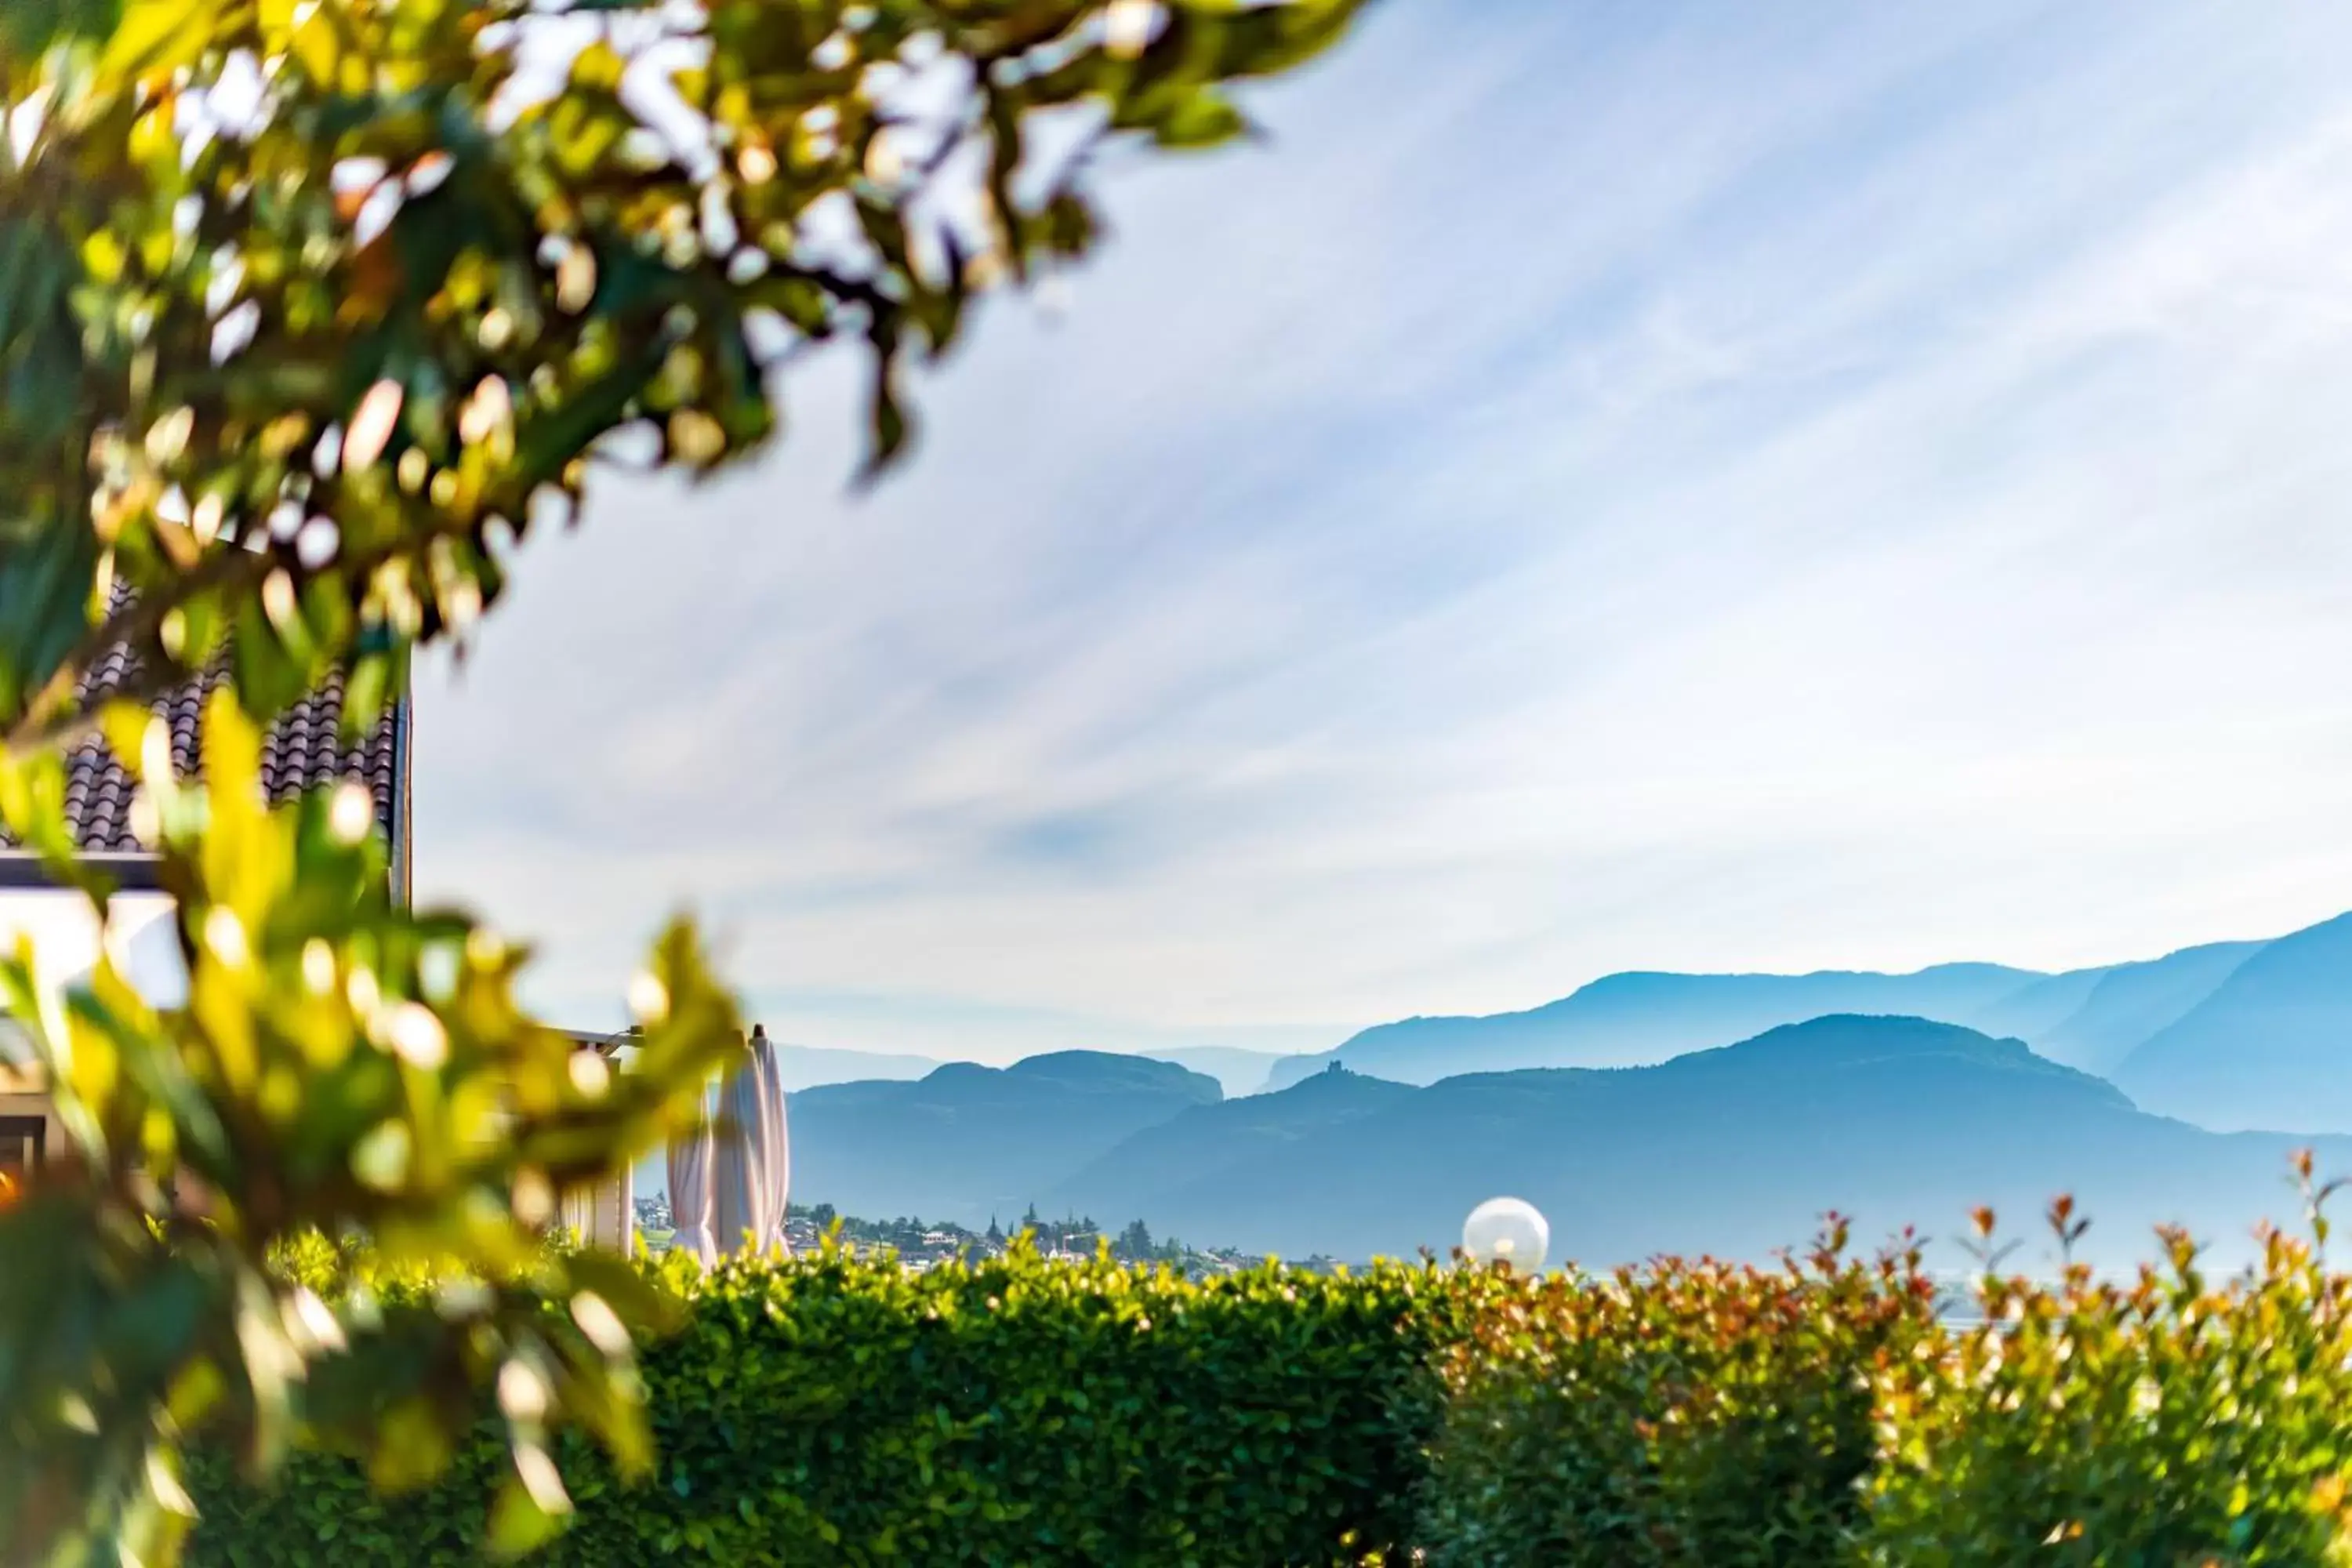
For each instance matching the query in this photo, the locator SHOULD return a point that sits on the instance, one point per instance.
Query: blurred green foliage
(2166, 1418)
(308, 311)
(341, 1065)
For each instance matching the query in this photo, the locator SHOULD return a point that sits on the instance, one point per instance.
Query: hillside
(2269, 1047)
(1238, 1071)
(1734, 1150)
(2091, 1018)
(2038, 1008)
(1633, 1019)
(1142, 1172)
(2134, 1001)
(967, 1142)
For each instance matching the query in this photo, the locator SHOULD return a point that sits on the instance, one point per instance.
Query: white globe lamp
(1510, 1231)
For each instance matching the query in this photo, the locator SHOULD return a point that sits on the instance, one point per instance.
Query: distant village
(924, 1244)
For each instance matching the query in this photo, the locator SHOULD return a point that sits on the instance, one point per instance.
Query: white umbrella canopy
(776, 1162)
(739, 1219)
(690, 1161)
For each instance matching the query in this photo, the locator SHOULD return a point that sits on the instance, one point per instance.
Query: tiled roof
(303, 751)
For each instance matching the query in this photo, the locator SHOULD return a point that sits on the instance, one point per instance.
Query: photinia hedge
(832, 1410)
(1686, 1414)
(2166, 1418)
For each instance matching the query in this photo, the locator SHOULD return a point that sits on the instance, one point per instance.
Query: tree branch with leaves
(309, 313)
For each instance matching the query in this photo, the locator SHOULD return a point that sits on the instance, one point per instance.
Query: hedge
(2164, 1419)
(832, 1411)
(1681, 1416)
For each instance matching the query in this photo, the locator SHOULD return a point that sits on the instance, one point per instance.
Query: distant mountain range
(2270, 1045)
(1625, 1111)
(1635, 1019)
(1237, 1070)
(2129, 1003)
(2229, 1035)
(1735, 1150)
(970, 1142)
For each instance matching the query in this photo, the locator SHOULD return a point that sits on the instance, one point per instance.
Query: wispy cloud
(1615, 484)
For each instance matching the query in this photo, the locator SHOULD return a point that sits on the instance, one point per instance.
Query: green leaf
(28, 27)
(518, 1525)
(47, 575)
(889, 426)
(1201, 118)
(158, 36)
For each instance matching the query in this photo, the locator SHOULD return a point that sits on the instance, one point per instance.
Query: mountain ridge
(2267, 1048)
(1636, 1017)
(2091, 1017)
(1735, 1149)
(1691, 1113)
(967, 1142)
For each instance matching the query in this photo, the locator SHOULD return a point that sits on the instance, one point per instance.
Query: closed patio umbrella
(690, 1161)
(776, 1157)
(739, 1218)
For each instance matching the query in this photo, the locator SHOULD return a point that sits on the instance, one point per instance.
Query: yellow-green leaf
(158, 36)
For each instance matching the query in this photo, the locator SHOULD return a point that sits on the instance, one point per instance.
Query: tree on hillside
(308, 313)
(1134, 1244)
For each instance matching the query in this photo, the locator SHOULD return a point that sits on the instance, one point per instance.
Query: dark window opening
(21, 1152)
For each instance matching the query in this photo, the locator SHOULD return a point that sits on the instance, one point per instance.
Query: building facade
(305, 750)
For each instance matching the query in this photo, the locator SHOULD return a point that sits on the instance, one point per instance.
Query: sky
(1600, 485)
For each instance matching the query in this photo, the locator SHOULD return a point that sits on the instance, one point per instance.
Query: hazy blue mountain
(2132, 1002)
(1626, 1020)
(2271, 1047)
(2035, 1008)
(1138, 1176)
(1236, 1070)
(1734, 1150)
(968, 1141)
(812, 1066)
